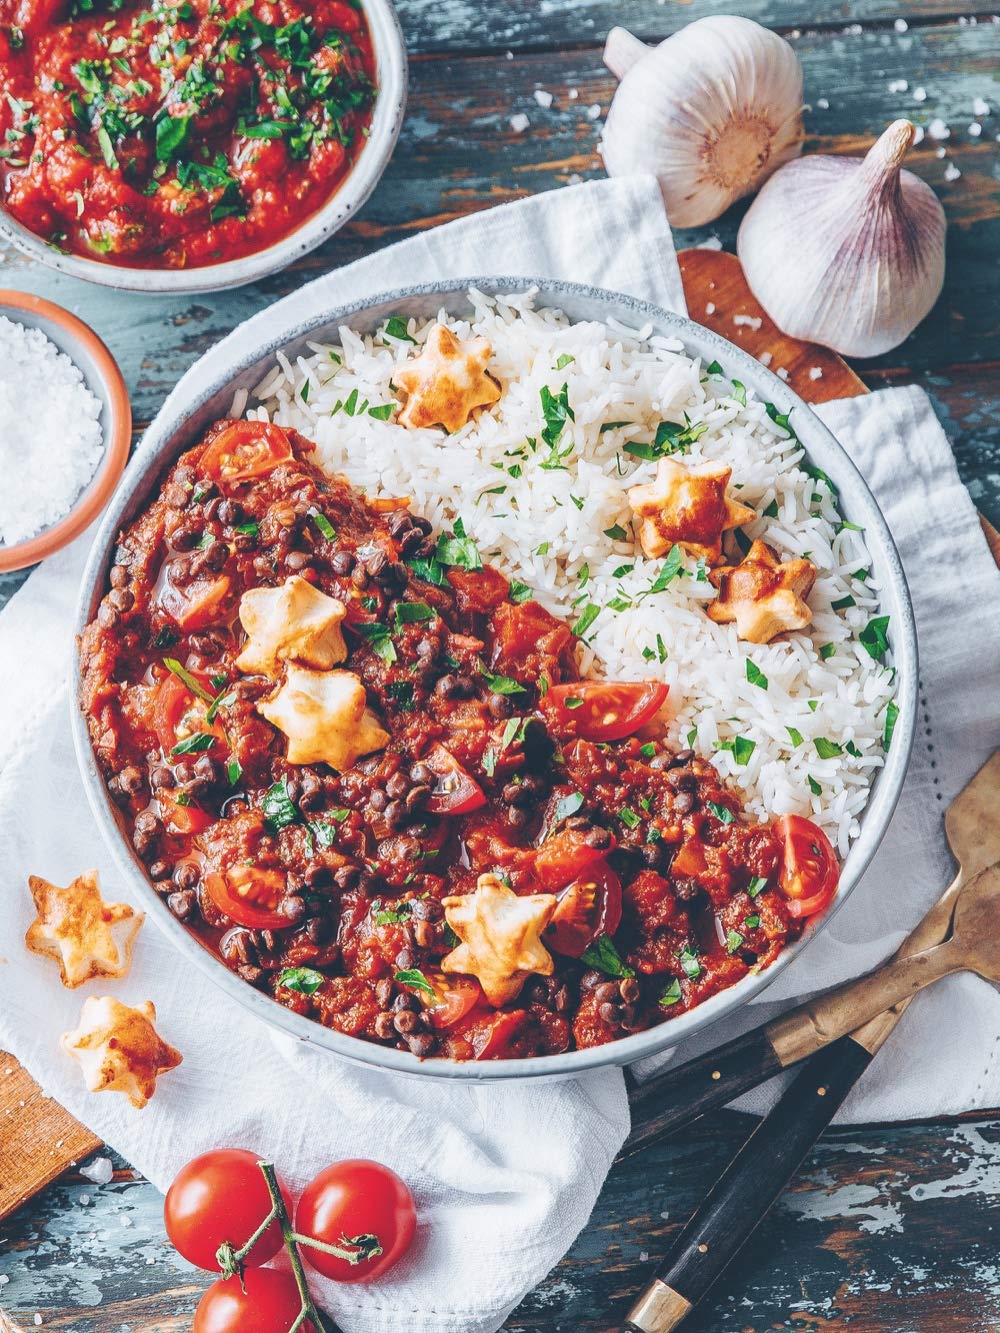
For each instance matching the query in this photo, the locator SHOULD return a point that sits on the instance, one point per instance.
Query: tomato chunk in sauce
(179, 133)
(324, 888)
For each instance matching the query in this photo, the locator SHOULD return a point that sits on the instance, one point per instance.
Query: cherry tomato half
(355, 1200)
(220, 1196)
(270, 1303)
(598, 710)
(453, 998)
(187, 820)
(196, 604)
(178, 714)
(455, 792)
(245, 449)
(249, 896)
(589, 907)
(809, 869)
(566, 856)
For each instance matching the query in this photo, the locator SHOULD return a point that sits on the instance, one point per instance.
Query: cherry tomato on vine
(809, 870)
(270, 1304)
(603, 710)
(221, 1196)
(356, 1201)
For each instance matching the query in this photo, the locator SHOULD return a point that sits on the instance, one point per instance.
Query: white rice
(513, 505)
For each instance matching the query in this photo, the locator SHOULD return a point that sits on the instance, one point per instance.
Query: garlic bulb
(710, 112)
(847, 251)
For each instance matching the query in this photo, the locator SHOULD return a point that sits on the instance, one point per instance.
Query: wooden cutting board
(38, 1138)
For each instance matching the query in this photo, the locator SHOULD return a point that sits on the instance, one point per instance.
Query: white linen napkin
(505, 1176)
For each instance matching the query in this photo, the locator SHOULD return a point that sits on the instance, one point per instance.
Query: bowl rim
(118, 435)
(169, 434)
(389, 46)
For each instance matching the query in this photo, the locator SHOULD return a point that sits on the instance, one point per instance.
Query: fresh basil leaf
(301, 979)
(503, 684)
(196, 744)
(604, 956)
(722, 812)
(279, 808)
(415, 979)
(413, 613)
(183, 675)
(755, 676)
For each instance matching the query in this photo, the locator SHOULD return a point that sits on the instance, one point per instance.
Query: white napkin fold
(505, 1176)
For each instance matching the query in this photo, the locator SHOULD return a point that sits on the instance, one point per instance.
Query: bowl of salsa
(191, 145)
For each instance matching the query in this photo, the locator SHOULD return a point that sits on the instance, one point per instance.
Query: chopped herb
(520, 592)
(590, 613)
(396, 328)
(459, 551)
(503, 684)
(301, 979)
(279, 808)
(557, 411)
(772, 510)
(616, 533)
(628, 817)
(415, 979)
(166, 638)
(490, 758)
(234, 771)
(510, 732)
(325, 526)
(733, 940)
(604, 956)
(688, 960)
(756, 886)
(722, 812)
(818, 474)
(814, 786)
(543, 549)
(411, 613)
(248, 529)
(402, 692)
(752, 922)
(740, 748)
(183, 675)
(713, 368)
(827, 749)
(671, 995)
(692, 736)
(648, 750)
(891, 718)
(574, 702)
(567, 806)
(844, 526)
(614, 425)
(827, 651)
(779, 418)
(382, 412)
(739, 393)
(379, 638)
(755, 676)
(873, 638)
(196, 744)
(852, 750)
(813, 704)
(669, 570)
(389, 916)
(796, 736)
(564, 361)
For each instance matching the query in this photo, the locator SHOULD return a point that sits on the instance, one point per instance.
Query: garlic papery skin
(847, 251)
(710, 112)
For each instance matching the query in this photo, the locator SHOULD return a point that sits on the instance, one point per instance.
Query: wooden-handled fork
(945, 940)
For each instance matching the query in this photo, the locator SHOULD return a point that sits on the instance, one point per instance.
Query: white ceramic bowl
(204, 395)
(387, 120)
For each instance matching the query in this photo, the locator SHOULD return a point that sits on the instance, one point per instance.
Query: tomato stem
(279, 1212)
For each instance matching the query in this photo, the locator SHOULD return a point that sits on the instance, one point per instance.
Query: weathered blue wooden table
(888, 1229)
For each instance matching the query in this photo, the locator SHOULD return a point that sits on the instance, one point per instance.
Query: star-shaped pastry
(325, 716)
(500, 933)
(295, 623)
(119, 1049)
(89, 937)
(446, 382)
(687, 507)
(763, 595)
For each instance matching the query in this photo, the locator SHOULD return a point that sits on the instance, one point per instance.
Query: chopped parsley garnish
(739, 747)
(459, 551)
(614, 425)
(382, 412)
(669, 570)
(648, 750)
(755, 676)
(604, 956)
(874, 639)
(520, 592)
(248, 529)
(616, 533)
(556, 411)
(891, 718)
(752, 922)
(814, 786)
(390, 916)
(564, 361)
(415, 979)
(196, 744)
(722, 812)
(795, 736)
(302, 979)
(739, 393)
(234, 771)
(688, 960)
(843, 603)
(324, 525)
(396, 328)
(713, 368)
(380, 640)
(567, 806)
(671, 995)
(413, 613)
(503, 684)
(183, 675)
(628, 817)
(827, 749)
(733, 940)
(772, 510)
(590, 613)
(756, 886)
(827, 651)
(279, 808)
(813, 704)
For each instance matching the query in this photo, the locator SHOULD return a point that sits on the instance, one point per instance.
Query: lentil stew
(476, 763)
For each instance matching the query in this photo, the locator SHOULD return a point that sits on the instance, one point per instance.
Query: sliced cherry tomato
(353, 1202)
(197, 604)
(453, 998)
(245, 449)
(455, 792)
(566, 856)
(184, 819)
(249, 896)
(178, 714)
(591, 906)
(598, 710)
(267, 1301)
(492, 1041)
(809, 869)
(220, 1196)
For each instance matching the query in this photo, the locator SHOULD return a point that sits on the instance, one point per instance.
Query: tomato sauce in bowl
(178, 135)
(333, 890)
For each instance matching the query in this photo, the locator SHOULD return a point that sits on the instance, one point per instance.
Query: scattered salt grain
(4, 1279)
(508, 55)
(918, 134)
(594, 111)
(937, 129)
(951, 172)
(543, 98)
(823, 103)
(100, 1170)
(84, 1200)
(979, 107)
(898, 85)
(519, 123)
(815, 372)
(901, 25)
(574, 179)
(747, 322)
(920, 94)
(37, 1320)
(975, 130)
(573, 94)
(782, 374)
(51, 439)
(713, 243)
(710, 308)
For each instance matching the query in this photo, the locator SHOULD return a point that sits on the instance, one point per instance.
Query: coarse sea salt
(51, 439)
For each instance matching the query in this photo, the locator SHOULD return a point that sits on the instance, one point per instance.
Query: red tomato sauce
(177, 135)
(324, 889)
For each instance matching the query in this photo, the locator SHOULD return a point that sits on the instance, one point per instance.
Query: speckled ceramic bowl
(205, 394)
(390, 106)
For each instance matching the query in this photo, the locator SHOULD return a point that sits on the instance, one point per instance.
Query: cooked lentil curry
(509, 862)
(174, 135)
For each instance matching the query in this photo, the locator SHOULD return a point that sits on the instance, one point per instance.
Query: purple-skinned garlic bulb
(846, 251)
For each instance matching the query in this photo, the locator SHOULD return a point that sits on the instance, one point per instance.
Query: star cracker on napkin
(88, 936)
(119, 1049)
